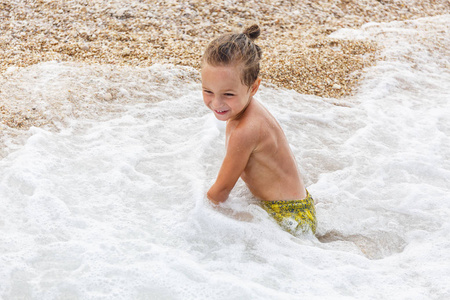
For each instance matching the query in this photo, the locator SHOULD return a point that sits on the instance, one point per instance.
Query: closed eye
(206, 91)
(229, 94)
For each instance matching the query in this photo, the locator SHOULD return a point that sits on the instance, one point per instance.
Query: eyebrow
(223, 91)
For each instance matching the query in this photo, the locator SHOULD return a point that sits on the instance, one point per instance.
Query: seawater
(109, 203)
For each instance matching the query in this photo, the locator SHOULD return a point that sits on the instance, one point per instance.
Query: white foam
(109, 202)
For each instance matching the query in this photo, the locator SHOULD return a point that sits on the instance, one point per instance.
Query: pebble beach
(298, 54)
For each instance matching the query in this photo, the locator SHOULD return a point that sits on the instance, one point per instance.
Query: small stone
(336, 86)
(107, 97)
(126, 51)
(121, 12)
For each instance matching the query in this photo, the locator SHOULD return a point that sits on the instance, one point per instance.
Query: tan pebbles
(297, 51)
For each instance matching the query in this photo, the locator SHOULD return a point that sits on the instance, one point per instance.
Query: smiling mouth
(221, 112)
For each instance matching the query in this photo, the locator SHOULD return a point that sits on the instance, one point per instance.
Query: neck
(241, 113)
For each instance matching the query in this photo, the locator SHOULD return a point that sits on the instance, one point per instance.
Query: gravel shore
(297, 51)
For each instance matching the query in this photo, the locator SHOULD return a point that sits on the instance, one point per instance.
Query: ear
(255, 86)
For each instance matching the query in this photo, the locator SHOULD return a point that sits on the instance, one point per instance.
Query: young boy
(256, 147)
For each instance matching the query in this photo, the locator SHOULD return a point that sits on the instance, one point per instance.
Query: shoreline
(297, 52)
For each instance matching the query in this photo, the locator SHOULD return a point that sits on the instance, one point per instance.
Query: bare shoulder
(243, 134)
(248, 128)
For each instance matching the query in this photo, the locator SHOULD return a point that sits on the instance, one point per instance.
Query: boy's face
(223, 91)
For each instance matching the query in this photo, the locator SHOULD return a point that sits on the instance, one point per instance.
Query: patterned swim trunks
(293, 215)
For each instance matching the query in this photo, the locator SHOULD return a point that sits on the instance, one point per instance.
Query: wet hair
(236, 49)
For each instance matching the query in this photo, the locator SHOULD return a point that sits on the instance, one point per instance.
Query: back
(271, 172)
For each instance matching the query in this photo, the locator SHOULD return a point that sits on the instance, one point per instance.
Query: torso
(271, 172)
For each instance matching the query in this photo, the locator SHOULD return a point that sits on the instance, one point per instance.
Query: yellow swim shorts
(293, 215)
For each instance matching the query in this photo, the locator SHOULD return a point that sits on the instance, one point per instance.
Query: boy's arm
(241, 144)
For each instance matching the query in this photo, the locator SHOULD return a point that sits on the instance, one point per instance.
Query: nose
(216, 101)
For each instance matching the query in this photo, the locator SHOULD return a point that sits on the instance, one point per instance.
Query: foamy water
(111, 205)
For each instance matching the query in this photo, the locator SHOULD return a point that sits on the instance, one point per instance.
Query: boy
(257, 149)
